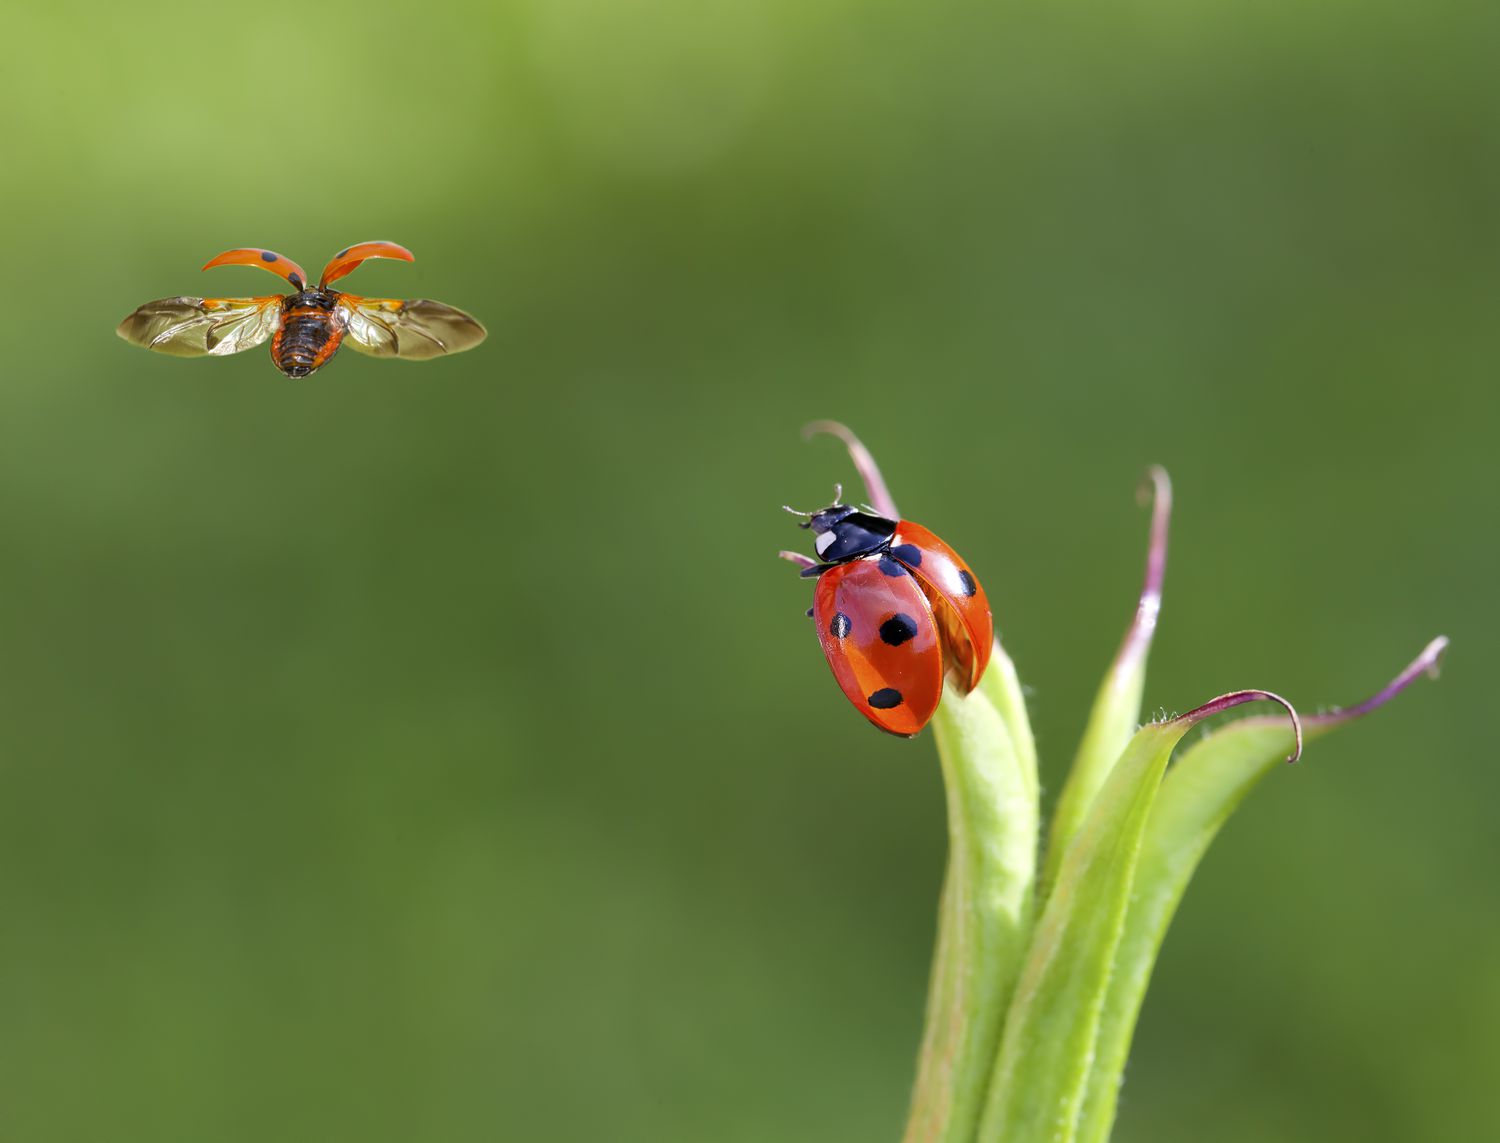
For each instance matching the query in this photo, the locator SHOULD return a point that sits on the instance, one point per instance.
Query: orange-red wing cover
(266, 259)
(958, 601)
(878, 634)
(351, 256)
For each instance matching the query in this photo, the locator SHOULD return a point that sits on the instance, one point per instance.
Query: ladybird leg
(266, 259)
(810, 567)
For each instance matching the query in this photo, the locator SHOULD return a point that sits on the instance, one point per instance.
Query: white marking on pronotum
(823, 542)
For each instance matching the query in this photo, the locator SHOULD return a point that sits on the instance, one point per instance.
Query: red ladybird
(896, 610)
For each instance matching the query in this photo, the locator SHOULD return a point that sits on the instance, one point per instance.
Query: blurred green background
(439, 752)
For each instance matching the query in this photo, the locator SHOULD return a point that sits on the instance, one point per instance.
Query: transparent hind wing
(197, 327)
(414, 329)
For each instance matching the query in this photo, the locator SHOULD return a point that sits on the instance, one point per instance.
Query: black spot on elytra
(839, 625)
(908, 554)
(898, 629)
(891, 567)
(966, 583)
(344, 251)
(885, 698)
(267, 256)
(295, 279)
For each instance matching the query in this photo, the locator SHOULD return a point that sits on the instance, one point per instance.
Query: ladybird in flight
(307, 327)
(896, 609)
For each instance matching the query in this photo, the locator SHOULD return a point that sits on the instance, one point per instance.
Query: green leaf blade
(1043, 1062)
(1002, 686)
(1117, 707)
(1199, 794)
(984, 915)
(1051, 1032)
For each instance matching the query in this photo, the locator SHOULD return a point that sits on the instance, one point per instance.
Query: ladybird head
(314, 297)
(842, 532)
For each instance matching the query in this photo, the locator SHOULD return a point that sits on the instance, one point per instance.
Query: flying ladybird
(896, 609)
(306, 327)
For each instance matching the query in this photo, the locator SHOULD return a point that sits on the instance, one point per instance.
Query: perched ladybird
(896, 609)
(307, 327)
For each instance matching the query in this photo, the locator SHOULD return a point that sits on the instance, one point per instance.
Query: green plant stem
(1002, 686)
(983, 917)
(1042, 1066)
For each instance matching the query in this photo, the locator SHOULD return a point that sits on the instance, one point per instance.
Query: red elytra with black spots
(896, 610)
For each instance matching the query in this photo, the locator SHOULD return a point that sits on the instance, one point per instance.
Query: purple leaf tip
(1239, 698)
(1426, 663)
(864, 464)
(1157, 488)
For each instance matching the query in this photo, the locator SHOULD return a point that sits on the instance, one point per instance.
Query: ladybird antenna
(805, 523)
(838, 494)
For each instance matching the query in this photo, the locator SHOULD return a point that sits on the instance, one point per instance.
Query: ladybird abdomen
(307, 338)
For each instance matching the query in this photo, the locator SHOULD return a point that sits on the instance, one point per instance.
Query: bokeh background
(440, 752)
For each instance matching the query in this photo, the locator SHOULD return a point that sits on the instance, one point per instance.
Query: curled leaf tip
(1430, 661)
(1155, 484)
(799, 559)
(1239, 698)
(1155, 488)
(1426, 663)
(864, 464)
